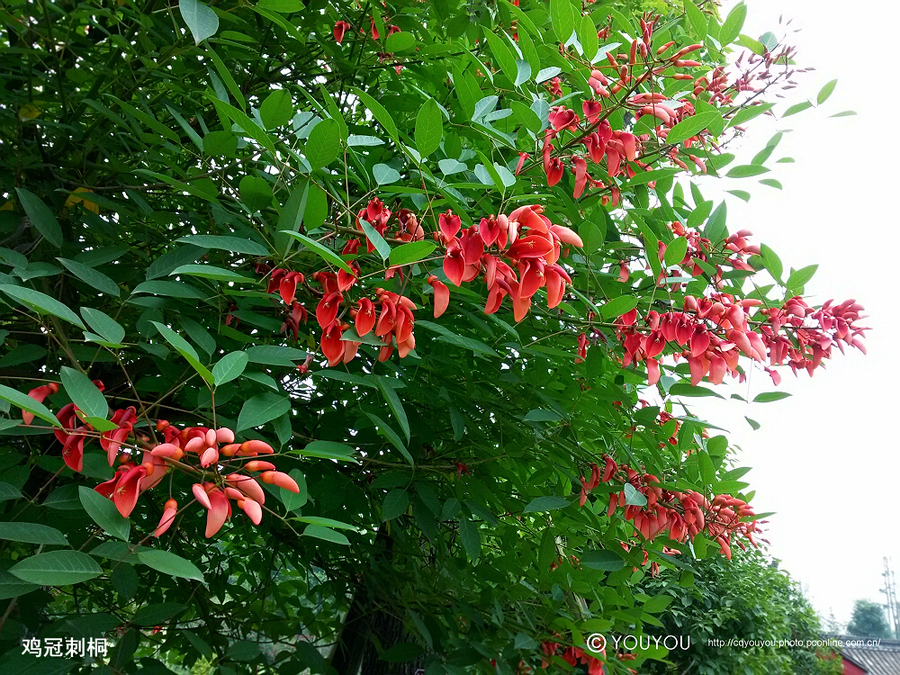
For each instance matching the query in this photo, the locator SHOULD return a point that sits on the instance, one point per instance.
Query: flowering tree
(360, 335)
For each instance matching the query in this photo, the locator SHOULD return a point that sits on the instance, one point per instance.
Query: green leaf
(32, 533)
(680, 389)
(385, 430)
(471, 539)
(395, 404)
(169, 564)
(675, 251)
(13, 587)
(541, 415)
(104, 325)
(771, 261)
(278, 109)
(325, 534)
(261, 409)
(381, 246)
(523, 72)
(429, 128)
(378, 111)
(329, 450)
(250, 128)
(27, 404)
(295, 500)
(103, 512)
(696, 19)
(41, 217)
(324, 144)
(406, 254)
(746, 114)
(657, 603)
(707, 470)
(562, 16)
(587, 35)
(8, 491)
(799, 278)
(256, 193)
(200, 19)
(384, 174)
(618, 306)
(747, 171)
(395, 504)
(210, 272)
(545, 504)
(229, 367)
(607, 561)
(503, 56)
(399, 42)
(797, 107)
(326, 254)
(184, 348)
(83, 393)
(633, 497)
(691, 126)
(356, 140)
(715, 229)
(733, 24)
(41, 303)
(770, 396)
(57, 568)
(224, 243)
(91, 277)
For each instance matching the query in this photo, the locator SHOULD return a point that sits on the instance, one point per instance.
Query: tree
(748, 599)
(868, 620)
(317, 317)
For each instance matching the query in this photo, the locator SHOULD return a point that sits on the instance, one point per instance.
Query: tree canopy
(344, 336)
(868, 620)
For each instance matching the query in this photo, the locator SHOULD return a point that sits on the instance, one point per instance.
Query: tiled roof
(877, 656)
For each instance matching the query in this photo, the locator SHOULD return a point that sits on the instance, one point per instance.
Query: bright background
(826, 459)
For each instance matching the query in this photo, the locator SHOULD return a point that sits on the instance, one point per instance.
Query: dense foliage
(317, 317)
(749, 599)
(868, 620)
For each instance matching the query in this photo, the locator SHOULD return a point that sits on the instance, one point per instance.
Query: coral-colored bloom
(340, 28)
(441, 295)
(39, 394)
(168, 517)
(280, 479)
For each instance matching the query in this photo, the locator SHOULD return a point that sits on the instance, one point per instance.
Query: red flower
(39, 394)
(340, 28)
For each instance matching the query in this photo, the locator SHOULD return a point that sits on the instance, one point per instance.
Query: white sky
(826, 459)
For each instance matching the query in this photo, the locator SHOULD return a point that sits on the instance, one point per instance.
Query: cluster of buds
(525, 238)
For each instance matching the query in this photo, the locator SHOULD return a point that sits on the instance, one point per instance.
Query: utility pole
(893, 610)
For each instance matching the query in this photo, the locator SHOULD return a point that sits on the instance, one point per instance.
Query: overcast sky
(826, 460)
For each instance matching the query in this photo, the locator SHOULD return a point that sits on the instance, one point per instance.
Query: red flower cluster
(682, 514)
(527, 239)
(209, 451)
